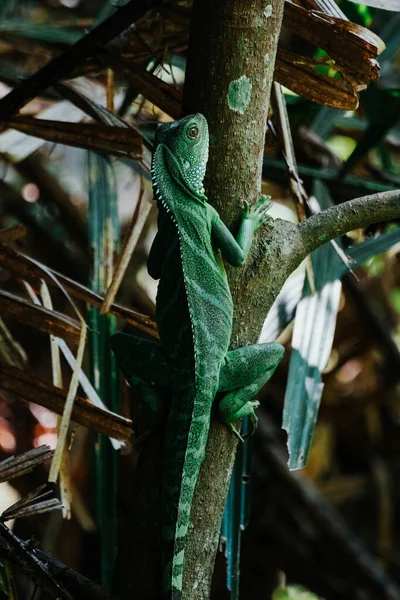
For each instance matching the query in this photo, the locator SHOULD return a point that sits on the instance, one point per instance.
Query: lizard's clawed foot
(258, 212)
(248, 410)
(253, 419)
(235, 432)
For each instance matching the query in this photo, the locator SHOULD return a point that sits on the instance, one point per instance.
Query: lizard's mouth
(177, 170)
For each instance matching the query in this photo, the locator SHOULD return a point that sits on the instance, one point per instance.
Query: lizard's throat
(174, 195)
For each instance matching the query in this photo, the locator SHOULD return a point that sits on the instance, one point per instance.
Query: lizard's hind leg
(245, 371)
(146, 369)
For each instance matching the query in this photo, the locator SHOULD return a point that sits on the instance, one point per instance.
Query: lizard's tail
(186, 438)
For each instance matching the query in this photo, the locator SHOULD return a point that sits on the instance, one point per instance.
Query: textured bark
(283, 246)
(228, 78)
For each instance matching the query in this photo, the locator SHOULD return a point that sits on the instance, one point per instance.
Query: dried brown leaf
(117, 141)
(297, 74)
(12, 233)
(351, 48)
(36, 390)
(22, 267)
(49, 321)
(34, 509)
(15, 466)
(65, 482)
(135, 229)
(160, 93)
(344, 41)
(34, 503)
(11, 352)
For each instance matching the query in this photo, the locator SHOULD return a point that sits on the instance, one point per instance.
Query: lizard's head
(187, 141)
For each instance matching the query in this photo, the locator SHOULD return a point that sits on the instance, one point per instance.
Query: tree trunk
(228, 78)
(229, 74)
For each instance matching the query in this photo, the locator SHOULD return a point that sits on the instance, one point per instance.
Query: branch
(61, 66)
(79, 586)
(12, 547)
(282, 246)
(48, 572)
(354, 214)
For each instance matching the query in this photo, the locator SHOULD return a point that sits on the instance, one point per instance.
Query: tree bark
(228, 78)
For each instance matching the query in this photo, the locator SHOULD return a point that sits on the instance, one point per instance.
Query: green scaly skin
(194, 317)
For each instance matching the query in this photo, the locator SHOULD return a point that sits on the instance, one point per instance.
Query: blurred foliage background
(77, 187)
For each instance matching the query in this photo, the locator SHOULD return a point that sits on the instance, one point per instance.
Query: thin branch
(77, 585)
(18, 552)
(135, 229)
(354, 214)
(15, 466)
(23, 267)
(33, 389)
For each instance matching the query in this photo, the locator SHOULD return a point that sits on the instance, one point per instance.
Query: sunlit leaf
(293, 592)
(383, 4)
(313, 333)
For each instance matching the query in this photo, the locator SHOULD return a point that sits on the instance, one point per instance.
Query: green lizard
(194, 318)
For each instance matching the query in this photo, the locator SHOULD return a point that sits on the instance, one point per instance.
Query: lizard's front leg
(146, 369)
(244, 372)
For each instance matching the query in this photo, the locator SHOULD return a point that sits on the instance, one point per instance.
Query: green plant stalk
(103, 235)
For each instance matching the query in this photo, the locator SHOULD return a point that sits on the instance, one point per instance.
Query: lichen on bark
(229, 39)
(229, 42)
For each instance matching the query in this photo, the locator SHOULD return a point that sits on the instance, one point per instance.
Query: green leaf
(313, 333)
(237, 514)
(43, 33)
(6, 7)
(109, 8)
(394, 298)
(325, 121)
(390, 33)
(380, 122)
(293, 592)
(372, 247)
(353, 186)
(103, 238)
(383, 4)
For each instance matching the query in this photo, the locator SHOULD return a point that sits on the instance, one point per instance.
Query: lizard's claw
(235, 432)
(259, 211)
(246, 209)
(253, 419)
(263, 202)
(248, 410)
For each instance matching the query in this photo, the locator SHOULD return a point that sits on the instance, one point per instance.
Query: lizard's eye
(193, 132)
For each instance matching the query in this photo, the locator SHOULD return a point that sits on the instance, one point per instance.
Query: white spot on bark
(268, 11)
